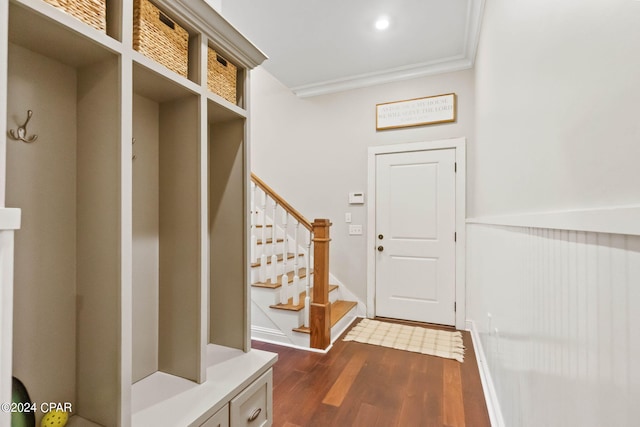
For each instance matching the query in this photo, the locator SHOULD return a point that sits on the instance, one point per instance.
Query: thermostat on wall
(356, 198)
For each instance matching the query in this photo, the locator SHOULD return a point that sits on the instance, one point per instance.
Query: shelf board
(158, 387)
(218, 112)
(157, 87)
(59, 35)
(157, 82)
(229, 371)
(78, 421)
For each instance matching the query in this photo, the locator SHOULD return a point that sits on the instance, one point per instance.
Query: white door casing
(421, 264)
(415, 226)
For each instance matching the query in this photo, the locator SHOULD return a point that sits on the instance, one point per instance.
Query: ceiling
(323, 46)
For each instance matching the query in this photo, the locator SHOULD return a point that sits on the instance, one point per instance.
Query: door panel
(415, 215)
(414, 267)
(421, 221)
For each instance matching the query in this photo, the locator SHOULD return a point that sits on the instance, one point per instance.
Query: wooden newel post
(320, 322)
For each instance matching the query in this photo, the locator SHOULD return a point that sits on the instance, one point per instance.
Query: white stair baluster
(274, 241)
(254, 224)
(284, 281)
(296, 277)
(307, 298)
(263, 257)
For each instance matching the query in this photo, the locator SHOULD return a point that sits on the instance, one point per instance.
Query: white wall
(557, 98)
(313, 151)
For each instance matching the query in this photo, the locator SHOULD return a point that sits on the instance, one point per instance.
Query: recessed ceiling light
(382, 23)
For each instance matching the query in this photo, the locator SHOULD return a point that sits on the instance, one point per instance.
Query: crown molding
(218, 30)
(461, 62)
(388, 76)
(474, 23)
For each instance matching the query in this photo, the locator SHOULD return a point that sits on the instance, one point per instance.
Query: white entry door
(415, 226)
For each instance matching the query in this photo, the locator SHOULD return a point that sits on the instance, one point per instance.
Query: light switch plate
(355, 230)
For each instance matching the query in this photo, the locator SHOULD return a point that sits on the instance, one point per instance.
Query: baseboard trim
(274, 336)
(261, 330)
(490, 396)
(347, 325)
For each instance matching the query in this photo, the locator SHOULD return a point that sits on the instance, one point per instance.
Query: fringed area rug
(410, 338)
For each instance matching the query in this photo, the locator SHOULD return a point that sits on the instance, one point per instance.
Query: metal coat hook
(21, 133)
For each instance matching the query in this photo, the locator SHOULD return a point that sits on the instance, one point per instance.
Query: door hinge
(455, 237)
(455, 306)
(455, 167)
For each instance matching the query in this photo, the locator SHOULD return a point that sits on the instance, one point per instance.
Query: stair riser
(292, 290)
(257, 218)
(279, 250)
(257, 231)
(255, 271)
(334, 296)
(285, 319)
(279, 245)
(268, 249)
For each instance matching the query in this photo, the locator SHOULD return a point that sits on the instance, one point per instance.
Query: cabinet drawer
(219, 419)
(253, 406)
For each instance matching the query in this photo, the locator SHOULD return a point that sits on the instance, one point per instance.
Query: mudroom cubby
(227, 195)
(166, 228)
(66, 297)
(130, 291)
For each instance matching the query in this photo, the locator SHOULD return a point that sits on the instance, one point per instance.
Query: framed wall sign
(416, 112)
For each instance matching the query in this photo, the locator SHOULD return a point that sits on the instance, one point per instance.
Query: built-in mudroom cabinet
(128, 296)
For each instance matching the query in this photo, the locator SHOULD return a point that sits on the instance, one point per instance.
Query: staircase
(292, 301)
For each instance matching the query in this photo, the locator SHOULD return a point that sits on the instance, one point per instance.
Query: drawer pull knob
(255, 414)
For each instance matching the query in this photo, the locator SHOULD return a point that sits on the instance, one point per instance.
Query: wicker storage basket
(157, 37)
(221, 76)
(92, 12)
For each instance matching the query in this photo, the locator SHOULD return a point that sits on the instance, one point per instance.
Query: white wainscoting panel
(558, 314)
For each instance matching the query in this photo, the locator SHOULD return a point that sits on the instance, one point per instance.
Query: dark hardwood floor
(364, 385)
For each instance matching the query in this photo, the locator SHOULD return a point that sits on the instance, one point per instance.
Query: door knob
(380, 248)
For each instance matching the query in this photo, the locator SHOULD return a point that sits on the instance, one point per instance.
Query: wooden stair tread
(338, 310)
(302, 273)
(270, 241)
(280, 256)
(291, 307)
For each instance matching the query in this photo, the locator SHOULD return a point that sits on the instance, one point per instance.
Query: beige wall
(41, 181)
(146, 245)
(313, 151)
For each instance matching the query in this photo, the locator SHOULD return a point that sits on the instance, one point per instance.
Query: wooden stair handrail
(282, 202)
